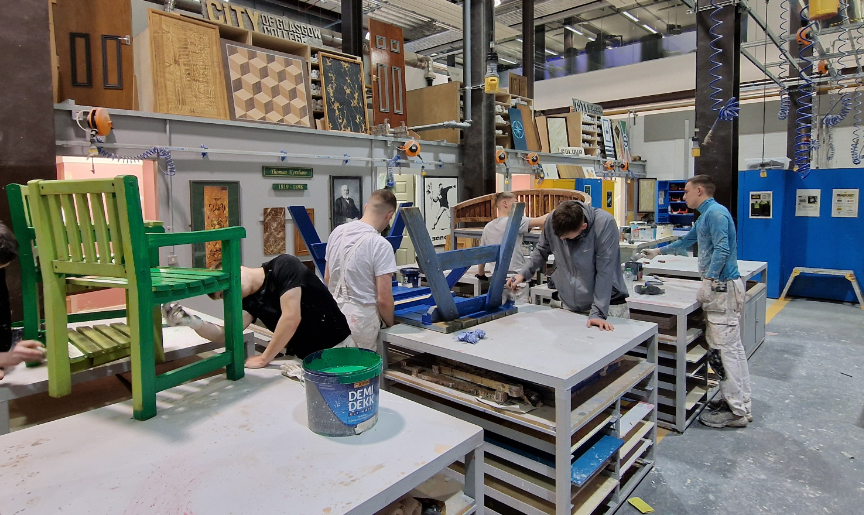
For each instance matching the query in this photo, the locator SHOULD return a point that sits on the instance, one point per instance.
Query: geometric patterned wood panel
(267, 86)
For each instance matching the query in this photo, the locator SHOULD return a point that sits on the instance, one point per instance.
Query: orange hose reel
(411, 148)
(99, 120)
(533, 159)
(500, 156)
(803, 36)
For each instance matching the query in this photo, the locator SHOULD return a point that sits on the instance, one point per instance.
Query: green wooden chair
(88, 346)
(91, 233)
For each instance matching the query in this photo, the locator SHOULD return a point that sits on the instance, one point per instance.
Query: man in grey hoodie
(587, 273)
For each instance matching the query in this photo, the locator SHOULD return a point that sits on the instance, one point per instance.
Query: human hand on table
(25, 350)
(514, 282)
(604, 325)
(650, 253)
(257, 362)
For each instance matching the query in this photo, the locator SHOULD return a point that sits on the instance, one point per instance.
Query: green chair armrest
(153, 223)
(186, 238)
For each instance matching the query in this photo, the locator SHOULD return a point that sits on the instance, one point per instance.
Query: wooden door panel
(388, 77)
(94, 58)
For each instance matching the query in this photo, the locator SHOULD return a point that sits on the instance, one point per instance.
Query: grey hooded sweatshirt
(587, 268)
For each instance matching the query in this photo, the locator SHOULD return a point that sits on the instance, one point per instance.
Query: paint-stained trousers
(723, 332)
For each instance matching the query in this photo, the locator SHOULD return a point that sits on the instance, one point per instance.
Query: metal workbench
(178, 342)
(552, 348)
(683, 365)
(220, 447)
(685, 266)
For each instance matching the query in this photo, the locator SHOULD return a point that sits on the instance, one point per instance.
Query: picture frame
(343, 89)
(214, 205)
(439, 195)
(345, 208)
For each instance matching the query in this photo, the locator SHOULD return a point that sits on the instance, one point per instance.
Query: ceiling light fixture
(649, 29)
(573, 30)
(625, 13)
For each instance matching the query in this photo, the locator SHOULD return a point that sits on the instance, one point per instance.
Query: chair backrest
(22, 226)
(90, 227)
(538, 202)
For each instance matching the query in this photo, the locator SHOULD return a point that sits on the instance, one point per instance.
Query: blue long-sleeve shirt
(714, 230)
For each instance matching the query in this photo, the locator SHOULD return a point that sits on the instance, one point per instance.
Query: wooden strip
(55, 222)
(81, 268)
(86, 227)
(100, 227)
(98, 338)
(84, 344)
(114, 334)
(78, 186)
(532, 138)
(593, 459)
(114, 227)
(121, 328)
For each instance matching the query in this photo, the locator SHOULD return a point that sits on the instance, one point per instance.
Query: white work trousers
(723, 332)
(364, 321)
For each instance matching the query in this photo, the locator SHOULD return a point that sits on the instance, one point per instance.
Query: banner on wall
(439, 195)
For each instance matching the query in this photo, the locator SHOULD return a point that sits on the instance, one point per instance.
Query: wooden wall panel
(387, 57)
(344, 92)
(432, 105)
(274, 231)
(186, 67)
(111, 19)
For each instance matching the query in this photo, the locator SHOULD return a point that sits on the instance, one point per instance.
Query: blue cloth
(714, 230)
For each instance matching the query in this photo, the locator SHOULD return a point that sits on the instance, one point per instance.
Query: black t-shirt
(322, 325)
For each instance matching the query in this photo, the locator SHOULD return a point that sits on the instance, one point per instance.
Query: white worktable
(685, 266)
(549, 347)
(226, 447)
(628, 250)
(178, 342)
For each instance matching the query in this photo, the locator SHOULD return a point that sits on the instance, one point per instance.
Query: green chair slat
(122, 339)
(87, 346)
(106, 343)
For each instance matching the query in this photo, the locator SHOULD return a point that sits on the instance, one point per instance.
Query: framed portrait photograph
(215, 205)
(346, 194)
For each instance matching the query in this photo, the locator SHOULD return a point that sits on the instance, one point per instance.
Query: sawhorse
(848, 274)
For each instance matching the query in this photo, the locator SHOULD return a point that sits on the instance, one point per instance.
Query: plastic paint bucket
(342, 390)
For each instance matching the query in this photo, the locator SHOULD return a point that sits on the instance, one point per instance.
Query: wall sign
(760, 204)
(282, 171)
(845, 203)
(233, 15)
(290, 187)
(807, 203)
(580, 106)
(573, 151)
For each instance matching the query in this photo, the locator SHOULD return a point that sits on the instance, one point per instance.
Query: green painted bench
(90, 233)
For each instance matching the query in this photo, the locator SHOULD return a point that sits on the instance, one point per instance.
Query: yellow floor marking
(775, 308)
(661, 434)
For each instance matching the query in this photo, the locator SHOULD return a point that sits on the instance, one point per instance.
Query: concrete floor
(808, 404)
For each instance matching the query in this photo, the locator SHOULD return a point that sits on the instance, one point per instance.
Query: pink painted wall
(100, 168)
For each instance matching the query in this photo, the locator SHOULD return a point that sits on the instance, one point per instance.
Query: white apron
(363, 320)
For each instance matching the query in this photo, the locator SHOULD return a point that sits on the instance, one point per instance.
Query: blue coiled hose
(728, 111)
(803, 132)
(785, 105)
(856, 133)
(147, 154)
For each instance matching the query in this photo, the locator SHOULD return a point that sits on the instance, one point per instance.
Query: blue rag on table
(471, 336)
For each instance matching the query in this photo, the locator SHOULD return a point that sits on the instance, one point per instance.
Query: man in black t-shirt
(288, 299)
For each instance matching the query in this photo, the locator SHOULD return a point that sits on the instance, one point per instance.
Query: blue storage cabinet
(671, 208)
(786, 241)
(595, 187)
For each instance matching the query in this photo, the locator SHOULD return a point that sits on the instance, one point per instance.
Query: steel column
(719, 158)
(539, 52)
(528, 44)
(477, 176)
(352, 27)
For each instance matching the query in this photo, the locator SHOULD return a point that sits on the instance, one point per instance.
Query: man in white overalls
(360, 267)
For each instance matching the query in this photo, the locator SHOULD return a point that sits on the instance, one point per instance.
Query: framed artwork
(344, 93)
(215, 204)
(266, 86)
(300, 248)
(274, 231)
(347, 195)
(439, 195)
(647, 195)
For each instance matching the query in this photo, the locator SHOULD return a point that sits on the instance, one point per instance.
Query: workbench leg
(4, 418)
(792, 277)
(249, 344)
(652, 392)
(562, 451)
(681, 375)
(474, 478)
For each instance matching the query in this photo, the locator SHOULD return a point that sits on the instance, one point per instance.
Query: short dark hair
(504, 195)
(567, 217)
(8, 245)
(383, 198)
(705, 181)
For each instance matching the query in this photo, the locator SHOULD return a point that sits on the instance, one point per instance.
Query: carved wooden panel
(388, 74)
(186, 67)
(344, 92)
(266, 86)
(274, 231)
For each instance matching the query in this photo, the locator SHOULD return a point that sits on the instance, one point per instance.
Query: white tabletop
(178, 342)
(552, 347)
(224, 447)
(639, 245)
(689, 267)
(679, 297)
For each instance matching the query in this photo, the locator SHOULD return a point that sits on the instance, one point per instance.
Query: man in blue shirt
(722, 298)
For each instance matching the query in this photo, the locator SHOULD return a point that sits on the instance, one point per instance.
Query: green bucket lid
(344, 365)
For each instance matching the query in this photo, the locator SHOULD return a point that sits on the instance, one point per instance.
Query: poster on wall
(608, 140)
(347, 195)
(215, 205)
(760, 204)
(807, 203)
(439, 194)
(845, 203)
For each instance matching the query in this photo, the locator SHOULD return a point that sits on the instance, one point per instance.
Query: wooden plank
(97, 206)
(66, 267)
(593, 494)
(505, 253)
(57, 227)
(532, 138)
(542, 133)
(636, 434)
(84, 344)
(427, 259)
(593, 459)
(121, 328)
(114, 228)
(99, 338)
(635, 414)
(588, 431)
(601, 394)
(186, 67)
(86, 227)
(635, 455)
(70, 187)
(114, 334)
(453, 259)
(435, 104)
